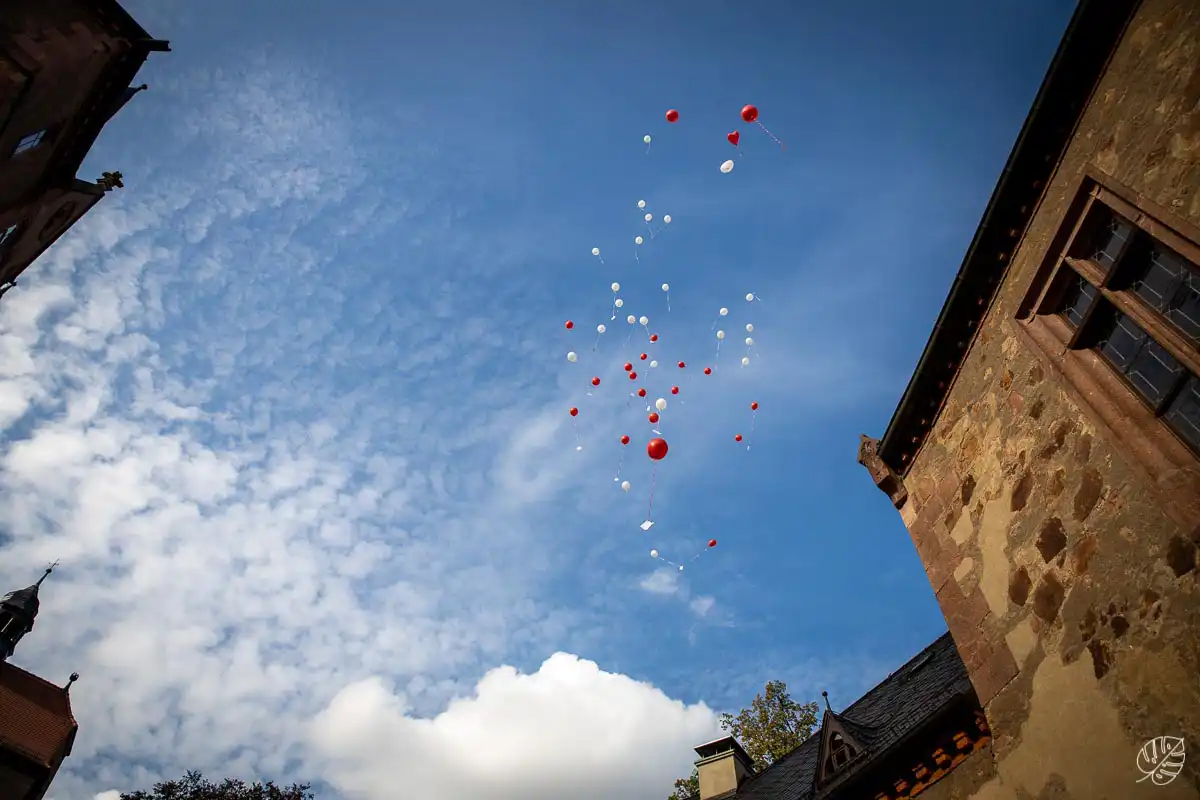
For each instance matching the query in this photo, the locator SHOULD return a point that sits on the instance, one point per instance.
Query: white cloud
(567, 730)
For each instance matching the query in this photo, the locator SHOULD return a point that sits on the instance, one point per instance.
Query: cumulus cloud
(568, 730)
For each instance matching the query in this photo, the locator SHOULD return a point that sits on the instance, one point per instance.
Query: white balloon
(625, 485)
(724, 312)
(749, 328)
(749, 341)
(653, 363)
(595, 251)
(616, 287)
(644, 320)
(631, 319)
(618, 302)
(641, 203)
(681, 567)
(750, 297)
(578, 448)
(649, 217)
(745, 361)
(572, 357)
(727, 167)
(666, 287)
(600, 328)
(661, 404)
(720, 334)
(638, 240)
(654, 554)
(646, 138)
(667, 219)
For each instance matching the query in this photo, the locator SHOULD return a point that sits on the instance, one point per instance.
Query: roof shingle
(35, 716)
(880, 719)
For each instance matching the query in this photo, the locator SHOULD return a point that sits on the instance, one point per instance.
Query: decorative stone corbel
(883, 475)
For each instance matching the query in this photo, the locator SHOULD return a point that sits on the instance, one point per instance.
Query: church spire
(18, 611)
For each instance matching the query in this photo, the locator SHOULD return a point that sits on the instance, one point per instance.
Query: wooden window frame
(1103, 393)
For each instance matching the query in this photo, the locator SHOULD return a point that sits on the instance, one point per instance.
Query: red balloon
(749, 113)
(624, 440)
(674, 390)
(734, 137)
(628, 367)
(737, 437)
(672, 116)
(682, 365)
(570, 324)
(641, 392)
(653, 417)
(657, 449)
(712, 542)
(708, 370)
(595, 381)
(642, 356)
(754, 406)
(633, 376)
(654, 337)
(574, 412)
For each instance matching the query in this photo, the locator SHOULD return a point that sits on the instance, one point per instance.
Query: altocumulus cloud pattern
(287, 523)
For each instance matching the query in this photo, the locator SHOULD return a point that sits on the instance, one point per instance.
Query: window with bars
(1128, 288)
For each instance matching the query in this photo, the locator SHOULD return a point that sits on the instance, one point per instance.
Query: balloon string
(614, 312)
(629, 338)
(753, 419)
(601, 260)
(597, 344)
(620, 463)
(668, 302)
(636, 257)
(650, 507)
(782, 146)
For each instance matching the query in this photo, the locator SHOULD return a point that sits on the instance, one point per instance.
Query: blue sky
(291, 407)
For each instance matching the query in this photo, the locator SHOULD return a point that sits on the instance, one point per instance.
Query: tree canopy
(194, 786)
(773, 726)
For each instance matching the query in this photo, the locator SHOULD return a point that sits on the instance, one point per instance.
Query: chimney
(723, 767)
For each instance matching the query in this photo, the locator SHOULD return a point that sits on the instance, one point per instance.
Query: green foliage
(686, 788)
(193, 786)
(773, 725)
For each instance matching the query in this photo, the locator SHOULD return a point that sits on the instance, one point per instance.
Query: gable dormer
(840, 747)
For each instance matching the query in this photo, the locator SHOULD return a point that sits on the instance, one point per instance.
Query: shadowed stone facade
(1057, 518)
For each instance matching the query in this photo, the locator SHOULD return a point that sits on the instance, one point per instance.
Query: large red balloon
(633, 376)
(749, 113)
(624, 440)
(708, 370)
(654, 337)
(754, 406)
(641, 392)
(574, 412)
(653, 418)
(628, 367)
(674, 390)
(737, 437)
(682, 365)
(712, 542)
(570, 324)
(595, 381)
(657, 449)
(734, 137)
(672, 116)
(642, 356)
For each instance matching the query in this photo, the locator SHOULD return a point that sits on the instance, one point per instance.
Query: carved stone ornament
(884, 476)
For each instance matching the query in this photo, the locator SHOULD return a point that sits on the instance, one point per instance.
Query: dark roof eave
(1082, 55)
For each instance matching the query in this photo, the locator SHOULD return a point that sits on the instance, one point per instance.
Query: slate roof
(24, 600)
(35, 716)
(880, 719)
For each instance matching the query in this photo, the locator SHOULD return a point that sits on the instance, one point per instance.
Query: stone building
(37, 728)
(1045, 456)
(907, 736)
(66, 67)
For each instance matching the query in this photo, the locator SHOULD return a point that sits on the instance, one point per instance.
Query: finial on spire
(74, 677)
(46, 574)
(825, 694)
